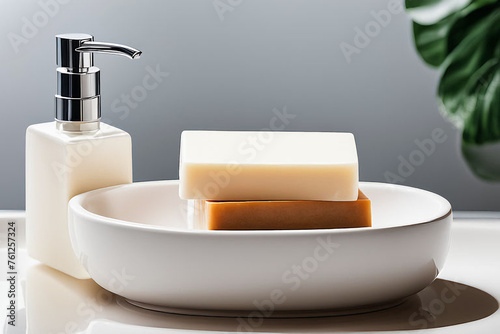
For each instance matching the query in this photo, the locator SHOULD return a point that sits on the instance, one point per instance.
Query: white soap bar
(247, 165)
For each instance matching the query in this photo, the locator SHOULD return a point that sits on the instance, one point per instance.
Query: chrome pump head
(78, 97)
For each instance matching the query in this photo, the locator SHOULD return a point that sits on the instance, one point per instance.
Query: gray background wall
(231, 74)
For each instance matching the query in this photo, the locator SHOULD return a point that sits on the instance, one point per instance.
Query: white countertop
(464, 299)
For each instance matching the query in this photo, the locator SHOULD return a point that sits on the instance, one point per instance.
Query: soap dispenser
(73, 154)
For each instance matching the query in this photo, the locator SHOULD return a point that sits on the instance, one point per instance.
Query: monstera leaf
(462, 38)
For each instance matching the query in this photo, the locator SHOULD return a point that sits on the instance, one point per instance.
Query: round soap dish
(139, 232)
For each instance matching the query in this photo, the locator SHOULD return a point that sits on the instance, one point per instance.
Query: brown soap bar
(287, 215)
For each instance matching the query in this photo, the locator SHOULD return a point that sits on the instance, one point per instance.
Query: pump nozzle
(112, 48)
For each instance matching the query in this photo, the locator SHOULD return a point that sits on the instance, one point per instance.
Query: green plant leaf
(470, 17)
(470, 76)
(462, 37)
(434, 42)
(429, 12)
(483, 124)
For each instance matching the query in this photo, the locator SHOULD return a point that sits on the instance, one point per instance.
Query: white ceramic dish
(133, 240)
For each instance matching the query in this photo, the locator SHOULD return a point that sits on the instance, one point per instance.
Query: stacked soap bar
(271, 180)
(274, 215)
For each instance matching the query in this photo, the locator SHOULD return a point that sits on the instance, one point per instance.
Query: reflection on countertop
(58, 303)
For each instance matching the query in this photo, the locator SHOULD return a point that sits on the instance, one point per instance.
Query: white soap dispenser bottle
(74, 154)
